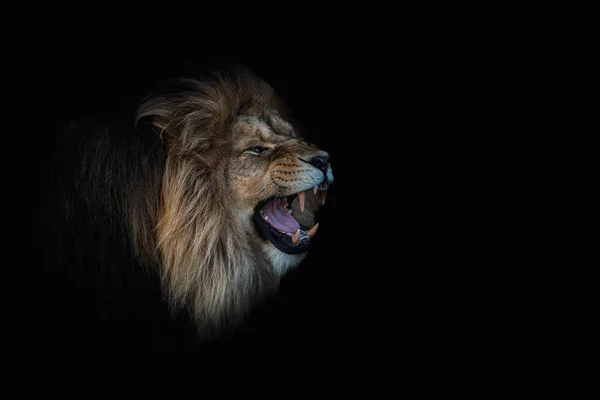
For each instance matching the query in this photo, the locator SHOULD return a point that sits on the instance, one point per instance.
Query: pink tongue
(279, 218)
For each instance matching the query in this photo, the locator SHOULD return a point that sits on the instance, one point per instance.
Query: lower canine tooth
(266, 218)
(296, 237)
(311, 232)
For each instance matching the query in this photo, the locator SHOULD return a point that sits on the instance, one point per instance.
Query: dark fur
(95, 286)
(100, 210)
(96, 292)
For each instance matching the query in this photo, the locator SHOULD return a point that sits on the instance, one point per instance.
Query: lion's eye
(258, 149)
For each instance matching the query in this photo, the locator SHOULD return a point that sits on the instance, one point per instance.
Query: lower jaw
(278, 239)
(292, 250)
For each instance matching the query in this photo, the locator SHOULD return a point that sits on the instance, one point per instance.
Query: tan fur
(212, 260)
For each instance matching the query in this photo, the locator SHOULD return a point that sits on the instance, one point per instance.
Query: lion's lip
(278, 221)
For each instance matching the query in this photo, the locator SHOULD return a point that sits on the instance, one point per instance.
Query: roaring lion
(208, 185)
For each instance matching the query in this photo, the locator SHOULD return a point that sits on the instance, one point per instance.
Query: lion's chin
(280, 261)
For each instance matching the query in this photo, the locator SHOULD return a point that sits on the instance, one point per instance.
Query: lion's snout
(322, 163)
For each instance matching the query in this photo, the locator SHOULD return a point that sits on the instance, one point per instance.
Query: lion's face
(279, 182)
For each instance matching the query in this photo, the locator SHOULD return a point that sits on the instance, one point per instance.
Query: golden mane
(206, 259)
(178, 186)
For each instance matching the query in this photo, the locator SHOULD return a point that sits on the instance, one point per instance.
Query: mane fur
(148, 189)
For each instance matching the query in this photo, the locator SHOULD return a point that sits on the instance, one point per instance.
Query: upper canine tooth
(302, 198)
(311, 232)
(296, 236)
(323, 197)
(315, 190)
(283, 202)
(266, 218)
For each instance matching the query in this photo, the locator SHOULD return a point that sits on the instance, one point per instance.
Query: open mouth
(289, 222)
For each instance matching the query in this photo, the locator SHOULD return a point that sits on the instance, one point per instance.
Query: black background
(333, 297)
(393, 264)
(423, 267)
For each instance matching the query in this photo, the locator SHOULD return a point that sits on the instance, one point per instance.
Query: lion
(207, 185)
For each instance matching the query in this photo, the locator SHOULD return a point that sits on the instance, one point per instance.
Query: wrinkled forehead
(267, 128)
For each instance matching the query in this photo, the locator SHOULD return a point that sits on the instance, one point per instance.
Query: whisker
(265, 187)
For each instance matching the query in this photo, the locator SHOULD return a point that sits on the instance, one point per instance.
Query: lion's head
(238, 194)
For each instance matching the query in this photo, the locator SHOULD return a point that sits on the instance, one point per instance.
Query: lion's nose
(321, 162)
